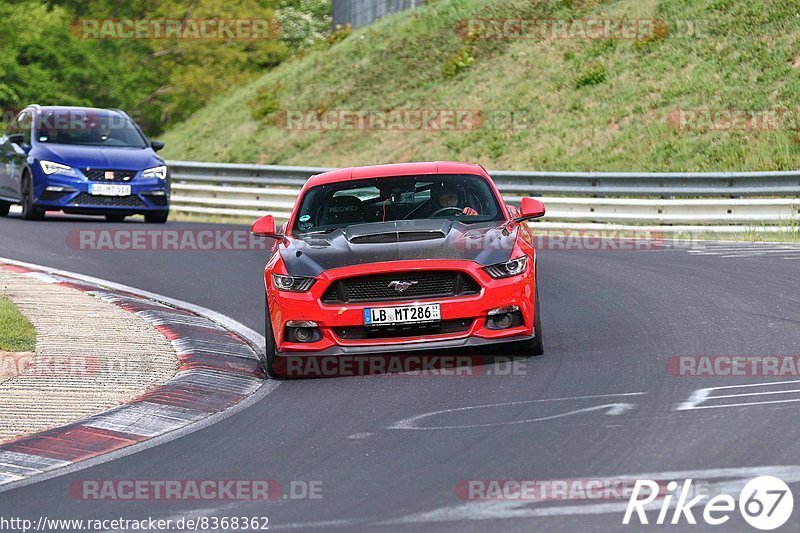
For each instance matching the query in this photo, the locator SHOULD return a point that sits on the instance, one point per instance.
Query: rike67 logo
(766, 503)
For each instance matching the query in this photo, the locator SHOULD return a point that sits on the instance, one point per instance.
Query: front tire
(534, 346)
(270, 356)
(29, 211)
(156, 218)
(4, 208)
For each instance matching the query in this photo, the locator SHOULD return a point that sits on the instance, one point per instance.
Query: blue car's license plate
(108, 189)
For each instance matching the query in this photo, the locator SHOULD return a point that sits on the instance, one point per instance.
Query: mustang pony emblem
(401, 286)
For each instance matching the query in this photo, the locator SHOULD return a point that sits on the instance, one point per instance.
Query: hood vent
(397, 236)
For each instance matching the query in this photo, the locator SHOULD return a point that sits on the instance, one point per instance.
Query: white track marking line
(697, 397)
(763, 384)
(41, 277)
(754, 394)
(747, 404)
(700, 396)
(613, 409)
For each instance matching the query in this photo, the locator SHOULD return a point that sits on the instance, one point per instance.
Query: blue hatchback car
(81, 160)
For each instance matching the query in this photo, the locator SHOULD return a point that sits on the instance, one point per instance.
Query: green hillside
(579, 104)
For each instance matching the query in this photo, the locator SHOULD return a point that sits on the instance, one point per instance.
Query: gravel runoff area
(90, 356)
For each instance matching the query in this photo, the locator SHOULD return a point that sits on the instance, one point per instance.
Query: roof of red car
(398, 169)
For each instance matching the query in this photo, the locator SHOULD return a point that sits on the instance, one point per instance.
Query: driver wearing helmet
(450, 195)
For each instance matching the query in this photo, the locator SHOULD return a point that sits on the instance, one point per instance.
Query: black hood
(485, 243)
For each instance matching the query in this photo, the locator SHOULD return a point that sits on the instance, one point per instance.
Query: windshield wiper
(319, 232)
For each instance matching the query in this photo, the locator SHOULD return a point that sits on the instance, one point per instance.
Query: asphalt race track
(600, 403)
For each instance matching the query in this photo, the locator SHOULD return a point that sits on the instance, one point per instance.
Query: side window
(23, 124)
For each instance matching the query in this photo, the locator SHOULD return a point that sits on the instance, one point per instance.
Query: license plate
(106, 189)
(407, 314)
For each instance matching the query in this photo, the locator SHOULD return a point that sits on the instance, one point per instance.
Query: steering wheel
(456, 210)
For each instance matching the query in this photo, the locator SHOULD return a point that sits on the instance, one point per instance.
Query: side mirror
(18, 141)
(265, 227)
(530, 208)
(157, 145)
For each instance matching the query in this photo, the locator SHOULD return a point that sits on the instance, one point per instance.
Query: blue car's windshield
(88, 128)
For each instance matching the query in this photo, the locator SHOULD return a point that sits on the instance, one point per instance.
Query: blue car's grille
(117, 201)
(99, 174)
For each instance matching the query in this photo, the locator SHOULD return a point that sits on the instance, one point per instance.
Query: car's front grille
(99, 174)
(376, 288)
(403, 330)
(117, 201)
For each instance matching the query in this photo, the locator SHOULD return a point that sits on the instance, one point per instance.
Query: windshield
(89, 128)
(466, 198)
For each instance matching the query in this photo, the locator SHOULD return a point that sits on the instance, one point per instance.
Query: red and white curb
(218, 369)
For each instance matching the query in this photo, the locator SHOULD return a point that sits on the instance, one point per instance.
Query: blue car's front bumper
(73, 195)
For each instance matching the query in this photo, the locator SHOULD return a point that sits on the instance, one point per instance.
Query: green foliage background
(159, 82)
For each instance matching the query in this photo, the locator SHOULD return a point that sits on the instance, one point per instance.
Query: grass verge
(17, 334)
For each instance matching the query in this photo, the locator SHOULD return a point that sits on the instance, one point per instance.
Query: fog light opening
(303, 331)
(504, 318)
(303, 334)
(502, 321)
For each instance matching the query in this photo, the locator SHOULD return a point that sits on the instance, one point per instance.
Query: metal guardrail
(671, 201)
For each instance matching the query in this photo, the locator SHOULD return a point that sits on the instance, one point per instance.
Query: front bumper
(147, 195)
(420, 346)
(472, 309)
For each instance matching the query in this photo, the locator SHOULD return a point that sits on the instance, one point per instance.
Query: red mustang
(398, 258)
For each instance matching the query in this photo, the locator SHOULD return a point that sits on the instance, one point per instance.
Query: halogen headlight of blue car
(49, 167)
(292, 283)
(155, 172)
(507, 269)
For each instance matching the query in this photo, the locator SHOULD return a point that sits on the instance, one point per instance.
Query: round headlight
(283, 282)
(515, 267)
